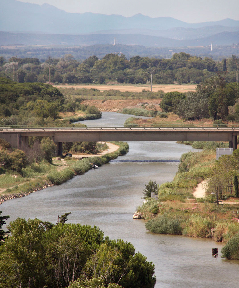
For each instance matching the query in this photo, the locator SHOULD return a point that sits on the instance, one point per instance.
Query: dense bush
(139, 112)
(40, 254)
(231, 249)
(171, 100)
(164, 224)
(199, 226)
(15, 160)
(59, 177)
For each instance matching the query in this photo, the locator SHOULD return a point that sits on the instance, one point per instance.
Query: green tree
(194, 106)
(171, 100)
(151, 187)
(117, 262)
(39, 254)
(24, 253)
(49, 148)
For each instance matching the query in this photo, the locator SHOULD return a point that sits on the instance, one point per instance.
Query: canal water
(107, 197)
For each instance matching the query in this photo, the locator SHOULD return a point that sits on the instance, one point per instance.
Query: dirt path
(200, 190)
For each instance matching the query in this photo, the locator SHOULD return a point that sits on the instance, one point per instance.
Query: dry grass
(118, 105)
(134, 88)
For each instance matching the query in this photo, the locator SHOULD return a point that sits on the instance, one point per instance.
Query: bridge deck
(16, 136)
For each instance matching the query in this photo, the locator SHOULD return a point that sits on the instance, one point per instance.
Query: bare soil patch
(200, 190)
(111, 148)
(134, 88)
(118, 105)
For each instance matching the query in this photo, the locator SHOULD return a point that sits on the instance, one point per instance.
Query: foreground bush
(39, 254)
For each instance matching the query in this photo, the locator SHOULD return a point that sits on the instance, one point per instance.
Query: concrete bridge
(18, 137)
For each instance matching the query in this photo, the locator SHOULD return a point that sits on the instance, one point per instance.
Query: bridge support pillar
(233, 142)
(22, 142)
(59, 148)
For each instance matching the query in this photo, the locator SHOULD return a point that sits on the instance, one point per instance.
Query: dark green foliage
(15, 160)
(49, 148)
(2, 232)
(164, 224)
(116, 262)
(171, 100)
(193, 107)
(39, 254)
(114, 67)
(93, 110)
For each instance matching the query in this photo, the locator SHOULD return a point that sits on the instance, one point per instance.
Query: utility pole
(151, 82)
(49, 74)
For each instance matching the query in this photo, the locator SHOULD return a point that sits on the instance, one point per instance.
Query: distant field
(134, 88)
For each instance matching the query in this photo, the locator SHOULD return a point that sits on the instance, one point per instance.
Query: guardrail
(115, 128)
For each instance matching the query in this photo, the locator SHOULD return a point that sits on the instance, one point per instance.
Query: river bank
(65, 170)
(185, 206)
(108, 196)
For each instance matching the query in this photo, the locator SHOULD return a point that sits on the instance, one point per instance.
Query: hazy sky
(186, 10)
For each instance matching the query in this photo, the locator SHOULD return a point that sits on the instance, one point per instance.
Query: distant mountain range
(47, 25)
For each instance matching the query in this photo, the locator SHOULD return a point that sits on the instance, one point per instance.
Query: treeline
(38, 104)
(213, 99)
(181, 68)
(40, 254)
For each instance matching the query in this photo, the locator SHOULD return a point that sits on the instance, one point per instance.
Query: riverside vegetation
(20, 177)
(40, 254)
(178, 212)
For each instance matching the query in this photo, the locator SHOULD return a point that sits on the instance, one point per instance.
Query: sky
(191, 11)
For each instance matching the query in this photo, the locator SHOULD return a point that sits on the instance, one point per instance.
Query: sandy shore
(111, 148)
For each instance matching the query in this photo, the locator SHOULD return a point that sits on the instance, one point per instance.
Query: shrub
(164, 224)
(59, 177)
(129, 123)
(231, 249)
(162, 114)
(199, 226)
(219, 123)
(139, 112)
(16, 160)
(82, 166)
